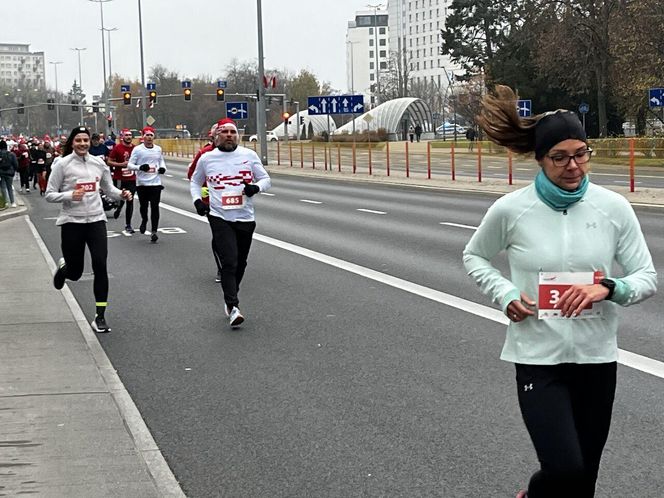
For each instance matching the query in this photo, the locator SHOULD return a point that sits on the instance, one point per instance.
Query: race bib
(232, 201)
(127, 172)
(152, 169)
(87, 185)
(552, 285)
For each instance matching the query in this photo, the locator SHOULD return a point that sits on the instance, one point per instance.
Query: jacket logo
(591, 225)
(528, 387)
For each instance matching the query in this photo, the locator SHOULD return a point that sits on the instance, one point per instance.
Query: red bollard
(290, 153)
(354, 161)
(631, 165)
(338, 157)
(509, 166)
(407, 162)
(313, 156)
(387, 152)
(479, 161)
(301, 155)
(278, 154)
(453, 164)
(370, 166)
(429, 160)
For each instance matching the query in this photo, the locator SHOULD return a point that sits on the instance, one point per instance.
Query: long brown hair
(500, 120)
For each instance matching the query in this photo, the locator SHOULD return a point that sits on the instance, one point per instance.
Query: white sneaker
(235, 317)
(13, 204)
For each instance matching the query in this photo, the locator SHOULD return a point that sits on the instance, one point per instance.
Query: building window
(371, 76)
(383, 65)
(371, 54)
(381, 31)
(371, 65)
(371, 31)
(381, 42)
(425, 64)
(371, 42)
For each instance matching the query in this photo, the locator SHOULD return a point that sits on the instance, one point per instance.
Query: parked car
(447, 130)
(270, 136)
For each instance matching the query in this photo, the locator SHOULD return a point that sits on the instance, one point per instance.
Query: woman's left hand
(127, 195)
(577, 297)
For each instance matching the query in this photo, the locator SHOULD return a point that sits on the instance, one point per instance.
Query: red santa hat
(125, 130)
(225, 123)
(147, 129)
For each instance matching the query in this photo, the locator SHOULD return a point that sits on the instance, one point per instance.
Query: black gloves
(201, 208)
(161, 171)
(251, 189)
(144, 167)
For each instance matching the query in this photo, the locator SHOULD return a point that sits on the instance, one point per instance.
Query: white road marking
(169, 176)
(186, 179)
(371, 211)
(625, 182)
(310, 201)
(268, 194)
(627, 358)
(469, 227)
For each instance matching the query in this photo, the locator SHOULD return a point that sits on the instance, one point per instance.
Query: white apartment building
(415, 25)
(21, 68)
(367, 52)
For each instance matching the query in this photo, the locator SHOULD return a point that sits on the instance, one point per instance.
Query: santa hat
(224, 124)
(147, 129)
(125, 130)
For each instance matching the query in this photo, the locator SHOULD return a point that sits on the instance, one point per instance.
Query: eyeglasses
(562, 160)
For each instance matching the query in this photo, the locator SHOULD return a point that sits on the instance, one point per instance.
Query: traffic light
(21, 109)
(285, 116)
(187, 94)
(50, 105)
(153, 97)
(126, 98)
(301, 120)
(95, 107)
(74, 105)
(221, 94)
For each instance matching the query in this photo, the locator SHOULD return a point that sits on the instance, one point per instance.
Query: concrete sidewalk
(68, 427)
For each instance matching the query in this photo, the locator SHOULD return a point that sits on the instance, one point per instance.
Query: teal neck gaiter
(554, 196)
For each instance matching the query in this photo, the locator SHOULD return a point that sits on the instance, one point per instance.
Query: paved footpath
(68, 427)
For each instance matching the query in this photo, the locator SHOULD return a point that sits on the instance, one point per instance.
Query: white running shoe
(235, 317)
(13, 204)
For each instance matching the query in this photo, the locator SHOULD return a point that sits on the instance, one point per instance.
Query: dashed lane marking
(459, 225)
(308, 201)
(371, 211)
(627, 358)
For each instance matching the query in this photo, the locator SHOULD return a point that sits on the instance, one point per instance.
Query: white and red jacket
(151, 156)
(226, 174)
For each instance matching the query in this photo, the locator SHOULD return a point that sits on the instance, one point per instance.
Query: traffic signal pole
(260, 94)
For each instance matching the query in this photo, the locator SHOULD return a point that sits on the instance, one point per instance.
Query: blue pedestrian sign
(151, 86)
(221, 84)
(335, 104)
(525, 108)
(237, 110)
(656, 97)
(584, 108)
(124, 88)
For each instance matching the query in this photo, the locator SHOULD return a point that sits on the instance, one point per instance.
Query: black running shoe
(59, 277)
(99, 325)
(116, 213)
(154, 237)
(144, 225)
(218, 277)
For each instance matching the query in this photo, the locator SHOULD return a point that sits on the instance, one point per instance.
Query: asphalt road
(339, 385)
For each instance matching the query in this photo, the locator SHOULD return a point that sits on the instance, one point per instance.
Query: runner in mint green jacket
(562, 236)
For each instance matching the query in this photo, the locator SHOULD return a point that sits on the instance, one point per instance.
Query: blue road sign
(525, 108)
(221, 84)
(237, 110)
(656, 97)
(124, 88)
(186, 84)
(584, 108)
(335, 104)
(151, 86)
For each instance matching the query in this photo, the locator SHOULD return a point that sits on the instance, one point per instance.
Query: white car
(447, 130)
(270, 136)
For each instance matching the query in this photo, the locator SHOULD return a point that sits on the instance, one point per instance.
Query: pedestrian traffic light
(126, 98)
(187, 94)
(21, 109)
(301, 120)
(50, 105)
(74, 105)
(285, 116)
(221, 94)
(95, 107)
(153, 97)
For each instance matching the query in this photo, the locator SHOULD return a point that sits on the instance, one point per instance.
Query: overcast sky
(192, 37)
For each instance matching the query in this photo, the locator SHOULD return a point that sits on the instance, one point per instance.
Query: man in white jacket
(148, 163)
(234, 175)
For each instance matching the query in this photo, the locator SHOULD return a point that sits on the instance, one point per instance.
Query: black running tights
(232, 240)
(149, 195)
(567, 411)
(74, 238)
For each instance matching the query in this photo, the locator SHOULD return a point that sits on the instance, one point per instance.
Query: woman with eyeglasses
(562, 235)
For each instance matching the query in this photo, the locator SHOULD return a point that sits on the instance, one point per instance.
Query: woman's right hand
(78, 194)
(518, 311)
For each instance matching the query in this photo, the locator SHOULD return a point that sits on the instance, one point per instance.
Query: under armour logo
(591, 225)
(528, 387)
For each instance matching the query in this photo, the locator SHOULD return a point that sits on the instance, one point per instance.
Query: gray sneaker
(235, 317)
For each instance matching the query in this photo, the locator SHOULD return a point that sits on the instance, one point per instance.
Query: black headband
(554, 128)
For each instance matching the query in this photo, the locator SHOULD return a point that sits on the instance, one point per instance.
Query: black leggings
(232, 240)
(24, 175)
(74, 238)
(129, 209)
(567, 410)
(149, 195)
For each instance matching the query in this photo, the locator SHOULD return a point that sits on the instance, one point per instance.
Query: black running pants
(149, 196)
(74, 238)
(232, 240)
(129, 205)
(567, 411)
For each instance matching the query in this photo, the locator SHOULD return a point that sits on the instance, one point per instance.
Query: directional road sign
(237, 110)
(151, 86)
(584, 108)
(656, 97)
(221, 84)
(124, 88)
(336, 104)
(525, 108)
(186, 84)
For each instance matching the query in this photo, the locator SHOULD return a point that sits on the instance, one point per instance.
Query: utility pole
(260, 104)
(80, 86)
(140, 35)
(57, 107)
(375, 24)
(103, 57)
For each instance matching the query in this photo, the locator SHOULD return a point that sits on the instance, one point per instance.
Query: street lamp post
(103, 52)
(352, 75)
(57, 107)
(80, 84)
(375, 24)
(107, 91)
(260, 105)
(140, 36)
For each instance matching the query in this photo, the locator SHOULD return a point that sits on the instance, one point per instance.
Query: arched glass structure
(315, 124)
